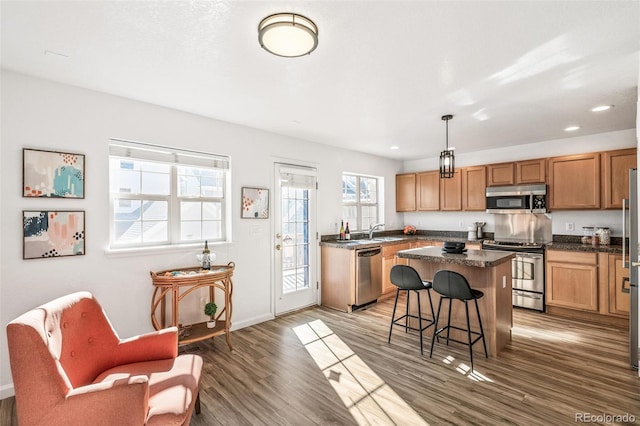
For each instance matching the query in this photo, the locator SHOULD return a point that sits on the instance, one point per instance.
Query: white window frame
(174, 158)
(358, 203)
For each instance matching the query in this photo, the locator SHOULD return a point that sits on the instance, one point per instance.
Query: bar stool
(407, 279)
(452, 285)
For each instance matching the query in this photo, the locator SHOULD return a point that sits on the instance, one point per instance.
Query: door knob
(278, 246)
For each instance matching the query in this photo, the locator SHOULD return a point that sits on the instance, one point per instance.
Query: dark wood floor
(345, 373)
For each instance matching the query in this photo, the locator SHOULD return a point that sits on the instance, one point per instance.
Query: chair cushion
(173, 386)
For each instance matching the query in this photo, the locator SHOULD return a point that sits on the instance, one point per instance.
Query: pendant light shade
(288, 34)
(447, 159)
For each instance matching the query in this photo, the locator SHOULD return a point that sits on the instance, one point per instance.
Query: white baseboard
(251, 321)
(6, 391)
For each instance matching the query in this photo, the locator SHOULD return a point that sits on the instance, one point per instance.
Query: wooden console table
(169, 283)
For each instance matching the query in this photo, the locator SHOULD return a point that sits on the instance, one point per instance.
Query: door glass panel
(295, 239)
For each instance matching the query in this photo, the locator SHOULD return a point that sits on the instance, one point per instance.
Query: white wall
(576, 145)
(40, 114)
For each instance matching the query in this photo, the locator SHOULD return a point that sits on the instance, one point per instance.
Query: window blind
(148, 152)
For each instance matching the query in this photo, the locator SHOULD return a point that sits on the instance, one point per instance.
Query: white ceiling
(511, 72)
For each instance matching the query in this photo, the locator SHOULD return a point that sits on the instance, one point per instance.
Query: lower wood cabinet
(618, 288)
(338, 269)
(388, 260)
(572, 280)
(587, 286)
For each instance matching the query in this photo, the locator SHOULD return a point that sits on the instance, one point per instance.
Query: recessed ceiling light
(571, 128)
(394, 147)
(601, 108)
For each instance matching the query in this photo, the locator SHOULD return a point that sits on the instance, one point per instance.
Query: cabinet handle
(625, 287)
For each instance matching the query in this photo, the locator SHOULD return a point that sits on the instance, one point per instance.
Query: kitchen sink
(387, 239)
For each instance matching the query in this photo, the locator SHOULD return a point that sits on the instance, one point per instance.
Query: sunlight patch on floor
(367, 397)
(465, 370)
(546, 334)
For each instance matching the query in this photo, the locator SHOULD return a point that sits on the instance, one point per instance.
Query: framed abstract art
(52, 233)
(255, 203)
(51, 174)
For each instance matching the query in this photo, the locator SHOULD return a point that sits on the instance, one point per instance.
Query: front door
(295, 238)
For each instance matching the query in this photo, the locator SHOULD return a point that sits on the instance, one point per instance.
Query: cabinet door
(428, 191)
(451, 192)
(500, 174)
(572, 285)
(387, 264)
(531, 171)
(406, 192)
(619, 298)
(574, 182)
(474, 188)
(388, 260)
(615, 172)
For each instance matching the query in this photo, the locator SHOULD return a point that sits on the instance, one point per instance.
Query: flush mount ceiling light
(288, 34)
(571, 128)
(447, 159)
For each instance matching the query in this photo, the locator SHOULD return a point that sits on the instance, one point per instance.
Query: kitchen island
(486, 270)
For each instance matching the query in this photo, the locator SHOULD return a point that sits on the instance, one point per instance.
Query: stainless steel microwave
(517, 199)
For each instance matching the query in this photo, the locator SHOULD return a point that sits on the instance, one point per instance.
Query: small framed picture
(51, 174)
(255, 203)
(52, 233)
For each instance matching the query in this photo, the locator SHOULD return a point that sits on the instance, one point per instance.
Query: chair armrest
(161, 344)
(121, 402)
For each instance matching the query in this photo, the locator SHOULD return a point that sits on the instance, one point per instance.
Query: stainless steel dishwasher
(368, 275)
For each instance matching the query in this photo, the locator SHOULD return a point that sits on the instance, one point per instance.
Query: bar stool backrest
(453, 285)
(406, 278)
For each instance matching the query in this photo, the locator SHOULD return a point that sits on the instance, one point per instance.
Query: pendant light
(288, 34)
(447, 159)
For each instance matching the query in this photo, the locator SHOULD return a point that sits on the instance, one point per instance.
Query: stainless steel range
(527, 272)
(526, 235)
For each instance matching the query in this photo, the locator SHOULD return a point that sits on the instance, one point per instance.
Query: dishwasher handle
(369, 253)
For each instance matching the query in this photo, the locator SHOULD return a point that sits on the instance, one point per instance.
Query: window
(360, 201)
(164, 196)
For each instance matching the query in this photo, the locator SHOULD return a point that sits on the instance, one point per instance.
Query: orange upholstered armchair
(69, 367)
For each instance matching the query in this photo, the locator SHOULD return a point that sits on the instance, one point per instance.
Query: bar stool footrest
(473, 342)
(408, 327)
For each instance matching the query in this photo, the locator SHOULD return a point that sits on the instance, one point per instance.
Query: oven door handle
(527, 295)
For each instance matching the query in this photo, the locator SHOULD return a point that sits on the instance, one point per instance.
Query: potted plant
(210, 310)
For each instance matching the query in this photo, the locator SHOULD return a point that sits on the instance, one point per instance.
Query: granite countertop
(567, 246)
(477, 258)
(561, 242)
(393, 239)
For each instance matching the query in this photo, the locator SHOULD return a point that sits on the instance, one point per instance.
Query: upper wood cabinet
(517, 173)
(501, 174)
(574, 182)
(406, 192)
(474, 188)
(428, 191)
(451, 192)
(615, 176)
(531, 171)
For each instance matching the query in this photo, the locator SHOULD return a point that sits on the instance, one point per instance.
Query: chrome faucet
(373, 228)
